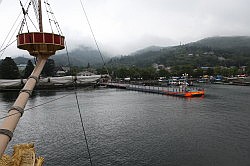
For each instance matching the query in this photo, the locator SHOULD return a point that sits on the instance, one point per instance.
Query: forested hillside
(213, 51)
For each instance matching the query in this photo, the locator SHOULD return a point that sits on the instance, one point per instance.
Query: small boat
(198, 93)
(184, 91)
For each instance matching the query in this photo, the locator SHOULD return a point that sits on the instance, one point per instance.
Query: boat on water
(186, 93)
(51, 82)
(41, 45)
(182, 91)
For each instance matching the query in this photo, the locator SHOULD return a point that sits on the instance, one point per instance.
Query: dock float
(171, 91)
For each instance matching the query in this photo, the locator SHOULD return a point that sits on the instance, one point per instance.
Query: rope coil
(26, 91)
(17, 108)
(7, 133)
(34, 77)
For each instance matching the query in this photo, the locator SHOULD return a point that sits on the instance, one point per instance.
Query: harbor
(145, 101)
(181, 91)
(135, 128)
(52, 82)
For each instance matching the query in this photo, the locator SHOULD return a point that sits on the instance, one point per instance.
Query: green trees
(28, 70)
(49, 68)
(163, 73)
(8, 69)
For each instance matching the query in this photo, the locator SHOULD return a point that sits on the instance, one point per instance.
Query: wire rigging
(51, 17)
(2, 50)
(37, 106)
(25, 12)
(7, 36)
(92, 32)
(47, 11)
(32, 23)
(78, 107)
(35, 7)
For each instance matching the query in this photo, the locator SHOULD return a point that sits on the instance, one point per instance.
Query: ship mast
(42, 46)
(40, 15)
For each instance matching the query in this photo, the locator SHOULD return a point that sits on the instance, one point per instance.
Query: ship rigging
(41, 45)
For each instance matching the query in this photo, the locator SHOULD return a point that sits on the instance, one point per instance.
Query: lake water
(135, 128)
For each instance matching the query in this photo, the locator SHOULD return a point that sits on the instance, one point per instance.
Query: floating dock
(171, 91)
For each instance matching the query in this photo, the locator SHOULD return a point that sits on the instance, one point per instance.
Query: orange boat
(186, 93)
(198, 93)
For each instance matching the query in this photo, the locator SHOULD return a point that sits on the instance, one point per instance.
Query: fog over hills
(236, 46)
(212, 51)
(78, 57)
(226, 42)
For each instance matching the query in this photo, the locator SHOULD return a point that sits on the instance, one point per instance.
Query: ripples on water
(134, 128)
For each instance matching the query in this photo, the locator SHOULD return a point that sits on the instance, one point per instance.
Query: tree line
(150, 73)
(9, 69)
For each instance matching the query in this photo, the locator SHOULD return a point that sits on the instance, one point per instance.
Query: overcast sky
(124, 26)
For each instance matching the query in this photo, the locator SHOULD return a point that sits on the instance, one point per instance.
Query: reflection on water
(45, 93)
(9, 96)
(134, 128)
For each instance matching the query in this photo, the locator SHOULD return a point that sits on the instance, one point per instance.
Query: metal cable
(92, 32)
(12, 27)
(25, 13)
(49, 11)
(48, 16)
(55, 20)
(36, 106)
(35, 7)
(6, 47)
(32, 22)
(78, 106)
(3, 50)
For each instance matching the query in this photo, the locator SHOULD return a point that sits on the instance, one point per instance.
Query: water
(135, 128)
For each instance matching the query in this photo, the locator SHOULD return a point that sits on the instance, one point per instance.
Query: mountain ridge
(212, 51)
(223, 47)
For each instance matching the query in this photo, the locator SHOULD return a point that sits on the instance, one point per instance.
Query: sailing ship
(52, 82)
(41, 45)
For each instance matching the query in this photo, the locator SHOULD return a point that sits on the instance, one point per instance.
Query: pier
(171, 91)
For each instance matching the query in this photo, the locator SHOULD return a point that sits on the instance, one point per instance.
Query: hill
(78, 57)
(81, 57)
(22, 60)
(224, 42)
(147, 49)
(213, 51)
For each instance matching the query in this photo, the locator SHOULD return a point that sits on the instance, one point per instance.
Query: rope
(92, 32)
(83, 129)
(7, 46)
(4, 117)
(25, 12)
(35, 7)
(24, 19)
(47, 11)
(3, 50)
(78, 106)
(9, 32)
(50, 14)
(32, 22)
(55, 20)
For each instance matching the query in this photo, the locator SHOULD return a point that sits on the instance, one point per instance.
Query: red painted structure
(40, 43)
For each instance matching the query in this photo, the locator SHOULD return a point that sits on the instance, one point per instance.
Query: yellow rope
(23, 155)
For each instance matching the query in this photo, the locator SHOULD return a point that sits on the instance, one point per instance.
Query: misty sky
(124, 26)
